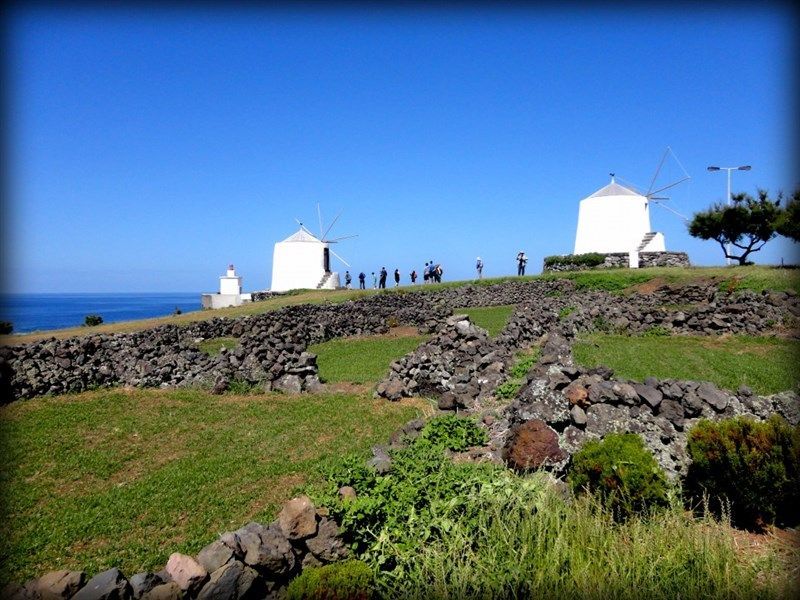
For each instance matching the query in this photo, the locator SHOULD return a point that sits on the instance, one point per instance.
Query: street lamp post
(729, 169)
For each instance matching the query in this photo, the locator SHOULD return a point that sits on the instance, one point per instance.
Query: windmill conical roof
(301, 236)
(614, 189)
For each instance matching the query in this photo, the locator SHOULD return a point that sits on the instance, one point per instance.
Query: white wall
(297, 265)
(612, 224)
(230, 285)
(220, 300)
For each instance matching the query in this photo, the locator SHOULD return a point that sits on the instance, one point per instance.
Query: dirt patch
(345, 387)
(648, 287)
(784, 543)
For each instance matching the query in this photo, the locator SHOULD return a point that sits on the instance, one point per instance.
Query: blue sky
(150, 148)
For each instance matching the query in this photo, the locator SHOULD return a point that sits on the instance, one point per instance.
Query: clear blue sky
(149, 148)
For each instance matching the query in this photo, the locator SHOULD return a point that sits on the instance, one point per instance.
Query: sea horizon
(45, 311)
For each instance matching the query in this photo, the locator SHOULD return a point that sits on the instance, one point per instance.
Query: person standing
(425, 274)
(414, 277)
(347, 279)
(479, 268)
(361, 278)
(374, 281)
(521, 260)
(397, 278)
(384, 273)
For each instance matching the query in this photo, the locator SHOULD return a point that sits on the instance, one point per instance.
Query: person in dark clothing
(382, 283)
(347, 279)
(521, 260)
(361, 278)
(396, 277)
(436, 273)
(414, 277)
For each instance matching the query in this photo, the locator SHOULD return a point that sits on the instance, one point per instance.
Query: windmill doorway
(326, 260)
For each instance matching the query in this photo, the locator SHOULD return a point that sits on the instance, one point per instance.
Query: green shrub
(6, 327)
(508, 389)
(656, 331)
(621, 472)
(454, 433)
(591, 259)
(348, 580)
(754, 466)
(92, 320)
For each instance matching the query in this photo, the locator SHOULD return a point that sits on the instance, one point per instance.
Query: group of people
(432, 273)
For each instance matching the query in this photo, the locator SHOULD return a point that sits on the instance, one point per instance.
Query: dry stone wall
(256, 561)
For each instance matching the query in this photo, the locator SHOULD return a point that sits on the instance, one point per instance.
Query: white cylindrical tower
(230, 283)
(615, 219)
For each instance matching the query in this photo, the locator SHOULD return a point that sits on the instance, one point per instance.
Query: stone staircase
(646, 240)
(324, 279)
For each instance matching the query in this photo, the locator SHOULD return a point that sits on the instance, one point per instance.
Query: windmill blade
(658, 170)
(331, 225)
(666, 187)
(344, 237)
(672, 210)
(347, 264)
(319, 216)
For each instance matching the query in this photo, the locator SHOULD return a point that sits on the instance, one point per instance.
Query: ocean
(33, 312)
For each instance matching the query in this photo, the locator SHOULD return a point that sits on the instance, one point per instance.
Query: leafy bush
(92, 320)
(417, 501)
(508, 389)
(755, 466)
(348, 580)
(454, 433)
(621, 472)
(656, 331)
(592, 259)
(525, 361)
(6, 327)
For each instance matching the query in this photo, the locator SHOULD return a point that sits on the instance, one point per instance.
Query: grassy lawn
(492, 318)
(363, 359)
(214, 346)
(124, 478)
(767, 365)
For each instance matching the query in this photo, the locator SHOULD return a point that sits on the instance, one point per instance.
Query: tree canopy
(743, 227)
(789, 225)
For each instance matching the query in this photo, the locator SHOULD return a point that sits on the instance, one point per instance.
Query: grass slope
(492, 318)
(767, 365)
(119, 478)
(754, 277)
(361, 360)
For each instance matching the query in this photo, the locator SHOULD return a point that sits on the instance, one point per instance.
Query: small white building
(302, 261)
(616, 219)
(230, 292)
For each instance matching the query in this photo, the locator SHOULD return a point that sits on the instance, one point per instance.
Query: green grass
(492, 318)
(523, 362)
(767, 365)
(124, 478)
(213, 346)
(361, 360)
(541, 547)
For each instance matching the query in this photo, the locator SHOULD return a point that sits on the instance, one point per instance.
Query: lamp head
(745, 168)
(713, 168)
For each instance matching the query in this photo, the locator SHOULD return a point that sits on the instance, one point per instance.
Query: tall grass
(544, 547)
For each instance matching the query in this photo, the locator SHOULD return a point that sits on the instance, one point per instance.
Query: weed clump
(622, 473)
(92, 320)
(748, 467)
(349, 580)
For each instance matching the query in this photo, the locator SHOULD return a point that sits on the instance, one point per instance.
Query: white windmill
(302, 261)
(616, 218)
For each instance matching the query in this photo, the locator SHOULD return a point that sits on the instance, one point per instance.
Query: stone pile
(621, 260)
(256, 561)
(562, 406)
